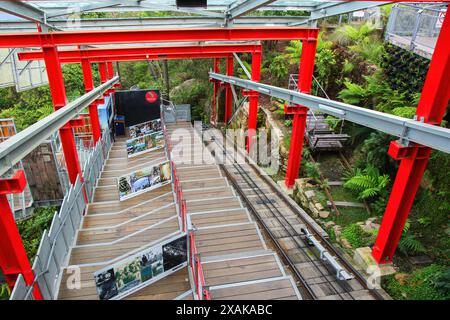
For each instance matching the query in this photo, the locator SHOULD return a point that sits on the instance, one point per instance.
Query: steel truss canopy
(406, 129)
(73, 15)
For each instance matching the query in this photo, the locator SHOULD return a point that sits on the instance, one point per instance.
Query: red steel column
(110, 70)
(58, 92)
(300, 112)
(102, 70)
(215, 90)
(13, 257)
(93, 112)
(253, 103)
(414, 158)
(228, 93)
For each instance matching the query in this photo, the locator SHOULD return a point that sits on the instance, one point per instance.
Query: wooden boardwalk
(236, 261)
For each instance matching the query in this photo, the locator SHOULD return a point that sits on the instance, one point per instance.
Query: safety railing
(54, 247)
(194, 262)
(56, 242)
(415, 27)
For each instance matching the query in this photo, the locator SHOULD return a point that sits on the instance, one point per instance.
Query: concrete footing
(366, 262)
(282, 185)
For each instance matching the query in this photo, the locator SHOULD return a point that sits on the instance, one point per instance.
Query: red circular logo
(151, 96)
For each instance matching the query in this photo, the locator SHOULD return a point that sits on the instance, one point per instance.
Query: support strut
(300, 112)
(13, 257)
(93, 112)
(228, 93)
(413, 157)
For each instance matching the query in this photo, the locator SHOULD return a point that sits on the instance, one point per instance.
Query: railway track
(285, 224)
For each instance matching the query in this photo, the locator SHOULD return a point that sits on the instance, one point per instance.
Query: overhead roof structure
(65, 15)
(56, 27)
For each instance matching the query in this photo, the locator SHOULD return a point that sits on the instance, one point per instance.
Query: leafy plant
(368, 183)
(355, 235)
(4, 291)
(312, 170)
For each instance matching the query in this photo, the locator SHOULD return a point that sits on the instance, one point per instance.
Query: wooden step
(212, 204)
(97, 221)
(273, 289)
(108, 234)
(220, 218)
(105, 253)
(116, 206)
(218, 241)
(241, 269)
(167, 288)
(194, 194)
(204, 183)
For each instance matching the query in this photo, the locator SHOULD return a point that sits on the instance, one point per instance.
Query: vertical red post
(103, 71)
(431, 109)
(228, 93)
(93, 112)
(110, 70)
(13, 257)
(300, 113)
(253, 103)
(58, 92)
(215, 91)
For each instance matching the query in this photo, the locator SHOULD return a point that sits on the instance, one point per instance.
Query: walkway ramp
(235, 260)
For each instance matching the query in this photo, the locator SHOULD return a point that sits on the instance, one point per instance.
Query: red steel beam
(229, 68)
(300, 112)
(118, 52)
(107, 59)
(431, 109)
(253, 103)
(93, 112)
(74, 38)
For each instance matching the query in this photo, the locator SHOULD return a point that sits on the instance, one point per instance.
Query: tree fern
(368, 183)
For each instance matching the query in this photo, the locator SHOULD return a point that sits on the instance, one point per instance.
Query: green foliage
(4, 291)
(405, 112)
(325, 58)
(368, 183)
(428, 283)
(31, 229)
(288, 123)
(348, 34)
(356, 235)
(312, 170)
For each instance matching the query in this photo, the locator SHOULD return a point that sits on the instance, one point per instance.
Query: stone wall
(305, 195)
(42, 175)
(240, 120)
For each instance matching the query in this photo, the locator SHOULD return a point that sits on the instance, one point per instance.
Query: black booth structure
(138, 106)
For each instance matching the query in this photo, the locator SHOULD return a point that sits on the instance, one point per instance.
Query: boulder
(324, 214)
(345, 243)
(310, 194)
(329, 224)
(319, 206)
(337, 230)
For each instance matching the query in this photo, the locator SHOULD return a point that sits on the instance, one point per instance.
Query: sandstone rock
(310, 194)
(319, 206)
(402, 278)
(330, 224)
(324, 214)
(337, 230)
(345, 243)
(371, 219)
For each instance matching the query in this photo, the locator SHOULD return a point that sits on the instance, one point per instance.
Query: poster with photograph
(145, 128)
(146, 143)
(140, 181)
(142, 269)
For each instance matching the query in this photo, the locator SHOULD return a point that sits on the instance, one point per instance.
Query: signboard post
(123, 278)
(140, 181)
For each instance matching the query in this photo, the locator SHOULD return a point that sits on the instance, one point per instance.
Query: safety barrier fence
(194, 263)
(55, 243)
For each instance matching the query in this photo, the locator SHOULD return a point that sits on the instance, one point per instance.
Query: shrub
(423, 284)
(356, 235)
